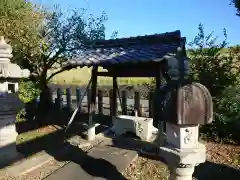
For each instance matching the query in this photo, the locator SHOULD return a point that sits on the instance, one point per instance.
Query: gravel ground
(144, 168)
(217, 154)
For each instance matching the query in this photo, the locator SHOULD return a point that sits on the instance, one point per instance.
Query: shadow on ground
(92, 166)
(102, 168)
(210, 171)
(54, 141)
(205, 171)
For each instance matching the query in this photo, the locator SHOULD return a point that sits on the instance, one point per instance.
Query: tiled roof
(131, 50)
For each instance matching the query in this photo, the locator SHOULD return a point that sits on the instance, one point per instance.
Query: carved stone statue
(9, 102)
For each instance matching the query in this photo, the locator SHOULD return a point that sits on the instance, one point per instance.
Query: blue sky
(141, 17)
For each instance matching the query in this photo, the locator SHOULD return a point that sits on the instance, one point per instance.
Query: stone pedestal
(182, 173)
(8, 132)
(182, 151)
(10, 104)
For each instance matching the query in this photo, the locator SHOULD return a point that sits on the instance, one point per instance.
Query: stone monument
(10, 104)
(184, 106)
(191, 106)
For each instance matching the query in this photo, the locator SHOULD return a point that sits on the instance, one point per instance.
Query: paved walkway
(102, 162)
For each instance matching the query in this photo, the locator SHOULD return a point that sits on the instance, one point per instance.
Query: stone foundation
(8, 136)
(8, 133)
(182, 151)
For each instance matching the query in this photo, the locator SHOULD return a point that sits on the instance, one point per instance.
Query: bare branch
(66, 68)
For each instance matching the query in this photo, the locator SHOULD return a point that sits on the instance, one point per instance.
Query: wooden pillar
(100, 102)
(78, 95)
(69, 99)
(156, 115)
(114, 98)
(91, 124)
(124, 102)
(59, 99)
(88, 100)
(137, 103)
(150, 104)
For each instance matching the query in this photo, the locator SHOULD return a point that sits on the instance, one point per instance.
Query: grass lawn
(35, 134)
(34, 141)
(81, 76)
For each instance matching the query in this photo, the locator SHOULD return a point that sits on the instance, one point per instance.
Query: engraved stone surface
(141, 126)
(182, 137)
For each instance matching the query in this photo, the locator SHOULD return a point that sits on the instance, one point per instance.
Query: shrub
(226, 125)
(28, 91)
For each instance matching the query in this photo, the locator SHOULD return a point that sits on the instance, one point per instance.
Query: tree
(62, 38)
(236, 3)
(45, 45)
(19, 20)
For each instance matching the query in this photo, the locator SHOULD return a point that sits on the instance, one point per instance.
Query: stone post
(9, 103)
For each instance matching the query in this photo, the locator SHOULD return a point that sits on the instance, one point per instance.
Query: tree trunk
(45, 105)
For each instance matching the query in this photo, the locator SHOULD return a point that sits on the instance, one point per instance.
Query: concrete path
(102, 162)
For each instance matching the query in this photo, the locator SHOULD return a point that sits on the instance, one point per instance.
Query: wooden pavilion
(141, 56)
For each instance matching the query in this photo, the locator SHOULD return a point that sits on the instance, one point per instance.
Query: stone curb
(32, 163)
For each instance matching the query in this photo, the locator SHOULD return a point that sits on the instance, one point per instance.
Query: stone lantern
(10, 104)
(185, 108)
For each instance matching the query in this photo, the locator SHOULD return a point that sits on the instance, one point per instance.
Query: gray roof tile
(131, 50)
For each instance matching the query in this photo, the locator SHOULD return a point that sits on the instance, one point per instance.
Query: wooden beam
(133, 70)
(128, 74)
(107, 74)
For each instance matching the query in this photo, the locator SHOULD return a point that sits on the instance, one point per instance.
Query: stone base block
(142, 127)
(174, 156)
(8, 135)
(181, 136)
(182, 161)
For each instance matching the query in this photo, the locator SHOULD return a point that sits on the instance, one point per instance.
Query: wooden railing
(63, 98)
